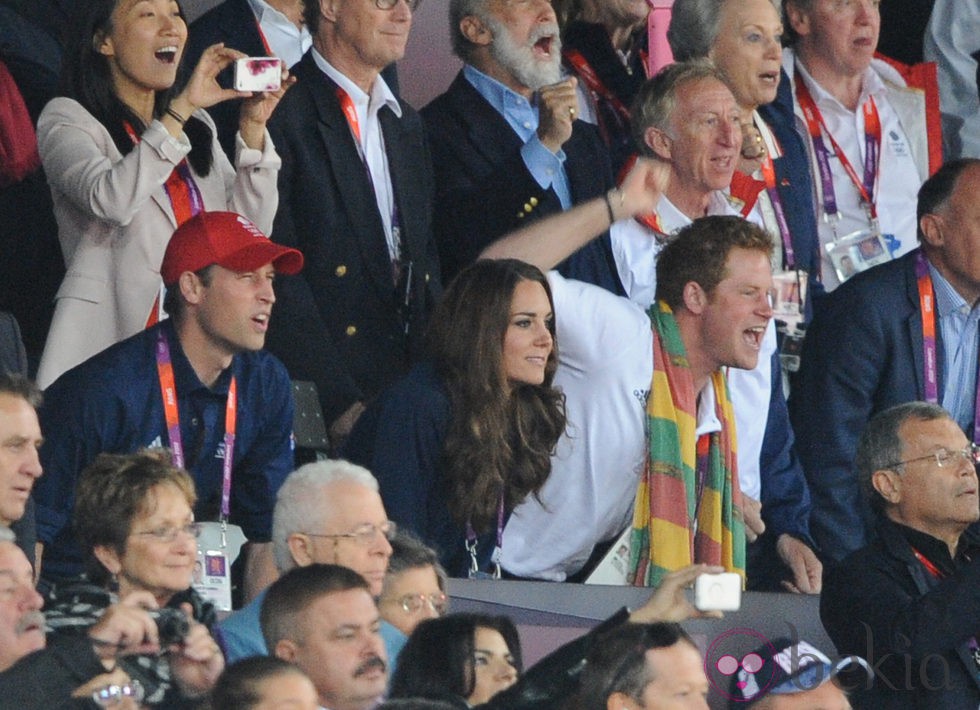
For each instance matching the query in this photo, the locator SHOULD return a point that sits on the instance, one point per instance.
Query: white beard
(520, 61)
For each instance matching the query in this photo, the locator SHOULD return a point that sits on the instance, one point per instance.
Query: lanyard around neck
(817, 128)
(594, 84)
(471, 543)
(930, 367)
(168, 390)
(769, 177)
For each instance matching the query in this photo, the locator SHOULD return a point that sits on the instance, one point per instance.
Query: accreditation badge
(218, 546)
(789, 297)
(614, 567)
(858, 251)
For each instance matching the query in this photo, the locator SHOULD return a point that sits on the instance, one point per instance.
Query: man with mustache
(324, 619)
(35, 674)
(909, 601)
(506, 145)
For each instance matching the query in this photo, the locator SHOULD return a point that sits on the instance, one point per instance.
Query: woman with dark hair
(468, 434)
(468, 656)
(264, 682)
(130, 154)
(133, 516)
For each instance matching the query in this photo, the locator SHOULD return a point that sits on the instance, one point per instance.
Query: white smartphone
(258, 74)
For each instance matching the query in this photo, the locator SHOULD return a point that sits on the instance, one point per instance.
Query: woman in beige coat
(129, 156)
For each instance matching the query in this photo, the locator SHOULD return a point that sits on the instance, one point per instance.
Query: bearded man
(505, 139)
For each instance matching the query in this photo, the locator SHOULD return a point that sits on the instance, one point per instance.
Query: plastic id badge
(857, 252)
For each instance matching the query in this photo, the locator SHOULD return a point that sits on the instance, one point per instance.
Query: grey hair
(458, 9)
(881, 445)
(655, 101)
(300, 505)
(694, 27)
(16, 385)
(7, 535)
(408, 552)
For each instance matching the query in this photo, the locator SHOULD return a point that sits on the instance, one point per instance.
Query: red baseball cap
(226, 239)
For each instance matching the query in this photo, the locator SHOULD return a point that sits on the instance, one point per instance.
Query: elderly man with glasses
(909, 602)
(328, 512)
(356, 192)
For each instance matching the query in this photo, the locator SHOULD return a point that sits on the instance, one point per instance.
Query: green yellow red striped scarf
(663, 538)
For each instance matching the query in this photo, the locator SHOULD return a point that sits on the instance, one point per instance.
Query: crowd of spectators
(574, 320)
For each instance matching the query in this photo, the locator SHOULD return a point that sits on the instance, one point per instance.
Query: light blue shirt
(958, 326)
(546, 168)
(240, 635)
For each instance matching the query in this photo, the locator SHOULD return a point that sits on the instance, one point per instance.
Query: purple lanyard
(168, 391)
(927, 308)
(872, 143)
(769, 176)
(471, 542)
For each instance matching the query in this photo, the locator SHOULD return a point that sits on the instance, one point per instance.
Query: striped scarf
(663, 537)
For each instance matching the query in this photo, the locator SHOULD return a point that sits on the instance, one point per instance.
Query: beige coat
(115, 219)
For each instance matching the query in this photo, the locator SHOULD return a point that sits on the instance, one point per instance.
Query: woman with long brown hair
(468, 434)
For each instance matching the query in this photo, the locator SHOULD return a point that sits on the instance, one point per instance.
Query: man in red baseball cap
(197, 383)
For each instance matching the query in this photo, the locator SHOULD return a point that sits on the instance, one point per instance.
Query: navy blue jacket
(915, 630)
(341, 323)
(862, 354)
(112, 403)
(400, 440)
(484, 190)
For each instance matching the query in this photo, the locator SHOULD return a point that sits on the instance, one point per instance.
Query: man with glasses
(909, 602)
(356, 196)
(903, 331)
(415, 586)
(326, 512)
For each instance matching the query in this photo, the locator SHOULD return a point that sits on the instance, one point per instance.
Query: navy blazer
(862, 354)
(234, 23)
(341, 322)
(485, 190)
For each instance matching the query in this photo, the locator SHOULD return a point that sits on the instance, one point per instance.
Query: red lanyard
(185, 200)
(394, 245)
(816, 127)
(185, 196)
(350, 113)
(930, 567)
(594, 84)
(265, 42)
(168, 390)
(651, 221)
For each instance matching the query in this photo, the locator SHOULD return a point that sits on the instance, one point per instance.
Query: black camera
(172, 625)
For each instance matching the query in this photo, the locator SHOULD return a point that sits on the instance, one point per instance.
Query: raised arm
(547, 242)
